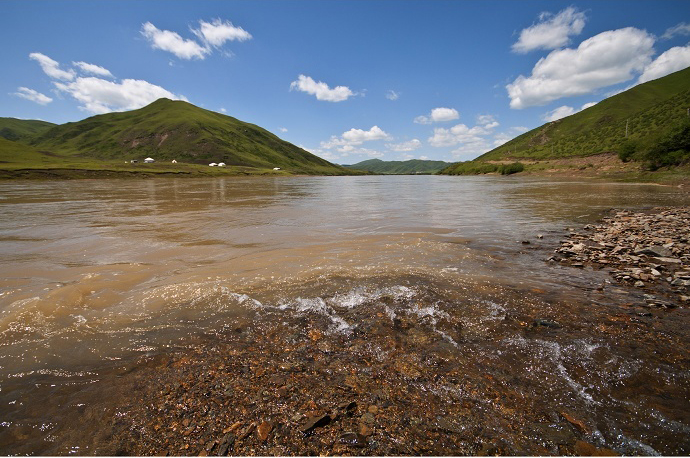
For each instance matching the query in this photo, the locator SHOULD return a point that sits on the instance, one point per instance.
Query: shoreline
(28, 174)
(648, 250)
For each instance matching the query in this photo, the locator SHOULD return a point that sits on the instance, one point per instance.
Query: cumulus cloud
(605, 59)
(34, 96)
(282, 129)
(563, 111)
(321, 90)
(676, 58)
(500, 139)
(680, 29)
(461, 133)
(93, 69)
(97, 95)
(392, 95)
(552, 31)
(51, 67)
(405, 146)
(471, 149)
(358, 136)
(347, 142)
(167, 40)
(558, 113)
(441, 114)
(218, 32)
(487, 121)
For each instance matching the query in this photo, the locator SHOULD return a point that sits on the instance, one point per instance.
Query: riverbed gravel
(649, 250)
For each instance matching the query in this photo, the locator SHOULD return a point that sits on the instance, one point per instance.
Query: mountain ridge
(169, 130)
(412, 166)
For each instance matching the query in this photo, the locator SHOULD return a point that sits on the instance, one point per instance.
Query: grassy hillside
(650, 111)
(412, 166)
(654, 115)
(22, 129)
(167, 130)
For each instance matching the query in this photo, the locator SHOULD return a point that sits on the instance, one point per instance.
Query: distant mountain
(633, 123)
(413, 166)
(22, 129)
(167, 130)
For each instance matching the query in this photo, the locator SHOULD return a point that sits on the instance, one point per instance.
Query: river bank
(649, 250)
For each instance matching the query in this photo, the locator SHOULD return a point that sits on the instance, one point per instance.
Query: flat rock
(315, 422)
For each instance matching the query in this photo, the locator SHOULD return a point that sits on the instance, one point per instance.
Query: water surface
(95, 274)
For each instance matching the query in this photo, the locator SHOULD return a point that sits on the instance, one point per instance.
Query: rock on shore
(648, 250)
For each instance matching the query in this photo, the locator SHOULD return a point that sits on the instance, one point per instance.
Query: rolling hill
(22, 129)
(637, 121)
(413, 166)
(167, 130)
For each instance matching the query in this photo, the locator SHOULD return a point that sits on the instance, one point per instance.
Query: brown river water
(98, 277)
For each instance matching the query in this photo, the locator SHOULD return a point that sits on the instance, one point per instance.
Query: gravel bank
(649, 250)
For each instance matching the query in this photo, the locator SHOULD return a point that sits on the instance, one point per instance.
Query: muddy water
(100, 278)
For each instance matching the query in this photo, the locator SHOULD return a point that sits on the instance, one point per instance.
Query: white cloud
(34, 96)
(358, 136)
(500, 139)
(97, 95)
(364, 152)
(354, 137)
(93, 69)
(172, 42)
(223, 110)
(563, 111)
(471, 149)
(605, 59)
(676, 58)
(51, 67)
(282, 129)
(405, 146)
(392, 95)
(680, 29)
(441, 114)
(216, 33)
(321, 89)
(459, 133)
(558, 113)
(552, 31)
(519, 129)
(487, 121)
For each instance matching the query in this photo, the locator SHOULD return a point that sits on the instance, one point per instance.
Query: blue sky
(346, 80)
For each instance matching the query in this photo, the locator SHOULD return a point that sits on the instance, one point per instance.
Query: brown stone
(263, 430)
(579, 424)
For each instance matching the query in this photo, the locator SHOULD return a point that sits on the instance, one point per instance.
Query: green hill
(167, 130)
(22, 129)
(637, 121)
(413, 166)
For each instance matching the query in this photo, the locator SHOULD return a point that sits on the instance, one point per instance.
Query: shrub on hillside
(626, 150)
(671, 150)
(509, 169)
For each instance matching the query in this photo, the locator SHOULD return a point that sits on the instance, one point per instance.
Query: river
(100, 276)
